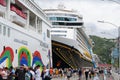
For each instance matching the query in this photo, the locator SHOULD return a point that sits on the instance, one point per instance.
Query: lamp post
(113, 1)
(118, 40)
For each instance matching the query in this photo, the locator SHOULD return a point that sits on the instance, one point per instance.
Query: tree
(103, 48)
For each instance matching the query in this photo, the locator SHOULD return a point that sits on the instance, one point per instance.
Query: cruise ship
(24, 34)
(71, 47)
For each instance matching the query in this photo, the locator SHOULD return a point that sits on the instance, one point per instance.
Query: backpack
(20, 74)
(28, 76)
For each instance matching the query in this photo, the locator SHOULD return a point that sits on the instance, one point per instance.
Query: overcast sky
(92, 11)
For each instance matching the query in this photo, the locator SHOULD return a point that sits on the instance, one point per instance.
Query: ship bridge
(65, 55)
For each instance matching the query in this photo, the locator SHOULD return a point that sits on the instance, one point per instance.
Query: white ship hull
(21, 47)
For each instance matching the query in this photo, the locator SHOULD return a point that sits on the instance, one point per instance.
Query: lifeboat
(17, 16)
(2, 7)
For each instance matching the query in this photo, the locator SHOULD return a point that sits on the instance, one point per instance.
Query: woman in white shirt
(37, 73)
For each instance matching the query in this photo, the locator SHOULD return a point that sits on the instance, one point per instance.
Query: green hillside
(103, 48)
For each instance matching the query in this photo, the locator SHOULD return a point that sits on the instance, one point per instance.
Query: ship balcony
(17, 19)
(2, 7)
(18, 16)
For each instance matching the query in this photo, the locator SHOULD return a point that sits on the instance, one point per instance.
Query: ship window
(8, 32)
(52, 18)
(62, 19)
(4, 30)
(55, 23)
(0, 29)
(67, 24)
(59, 35)
(60, 31)
(39, 25)
(48, 33)
(32, 21)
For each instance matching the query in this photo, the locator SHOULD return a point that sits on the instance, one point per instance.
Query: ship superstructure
(24, 34)
(69, 38)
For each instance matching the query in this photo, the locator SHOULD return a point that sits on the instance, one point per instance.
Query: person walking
(20, 73)
(105, 74)
(80, 73)
(32, 72)
(96, 77)
(43, 73)
(69, 74)
(28, 75)
(37, 73)
(47, 75)
(11, 75)
(86, 73)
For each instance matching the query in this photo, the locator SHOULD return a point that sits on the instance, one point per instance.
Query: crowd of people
(21, 73)
(97, 73)
(42, 73)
